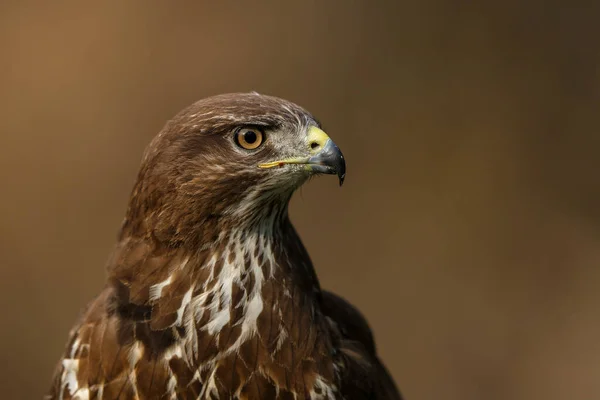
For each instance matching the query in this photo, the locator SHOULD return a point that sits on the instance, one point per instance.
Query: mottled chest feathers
(234, 301)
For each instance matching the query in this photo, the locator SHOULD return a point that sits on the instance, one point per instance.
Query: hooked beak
(325, 158)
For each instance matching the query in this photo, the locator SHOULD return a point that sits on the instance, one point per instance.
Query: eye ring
(249, 138)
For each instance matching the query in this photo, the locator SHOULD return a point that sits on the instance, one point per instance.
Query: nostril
(314, 145)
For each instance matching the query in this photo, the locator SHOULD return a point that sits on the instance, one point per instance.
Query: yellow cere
(318, 137)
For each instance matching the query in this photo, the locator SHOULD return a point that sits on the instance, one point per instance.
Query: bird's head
(234, 158)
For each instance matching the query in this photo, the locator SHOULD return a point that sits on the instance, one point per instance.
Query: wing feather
(365, 373)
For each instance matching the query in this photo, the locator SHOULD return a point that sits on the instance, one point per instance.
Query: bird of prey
(210, 292)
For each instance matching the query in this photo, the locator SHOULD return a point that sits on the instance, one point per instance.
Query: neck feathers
(247, 283)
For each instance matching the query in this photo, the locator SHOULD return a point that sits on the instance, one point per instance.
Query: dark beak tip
(330, 160)
(341, 169)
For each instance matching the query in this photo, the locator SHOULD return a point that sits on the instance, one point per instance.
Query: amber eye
(249, 138)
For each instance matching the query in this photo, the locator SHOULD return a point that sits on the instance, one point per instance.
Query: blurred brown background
(468, 230)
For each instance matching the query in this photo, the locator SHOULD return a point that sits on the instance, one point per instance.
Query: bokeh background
(468, 230)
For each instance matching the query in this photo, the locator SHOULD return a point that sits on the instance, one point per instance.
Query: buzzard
(210, 292)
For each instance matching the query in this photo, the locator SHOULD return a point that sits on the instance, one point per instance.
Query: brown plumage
(210, 292)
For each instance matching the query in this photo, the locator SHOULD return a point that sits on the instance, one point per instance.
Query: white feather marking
(326, 390)
(220, 307)
(100, 391)
(69, 375)
(196, 376)
(135, 354)
(211, 386)
(186, 300)
(218, 321)
(171, 386)
(156, 290)
(253, 310)
(280, 338)
(75, 347)
(174, 351)
(82, 394)
(255, 305)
